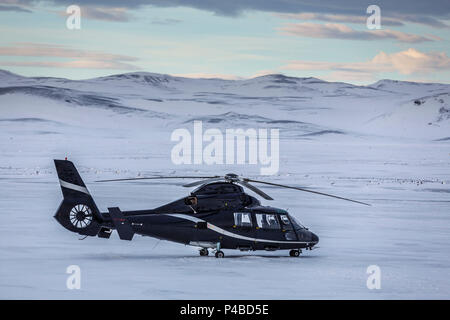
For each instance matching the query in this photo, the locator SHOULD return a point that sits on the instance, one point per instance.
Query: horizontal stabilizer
(121, 223)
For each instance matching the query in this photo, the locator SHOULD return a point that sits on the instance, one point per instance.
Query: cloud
(361, 19)
(429, 12)
(75, 64)
(114, 14)
(76, 58)
(420, 19)
(48, 50)
(390, 21)
(341, 31)
(412, 61)
(117, 14)
(166, 21)
(14, 8)
(439, 8)
(406, 62)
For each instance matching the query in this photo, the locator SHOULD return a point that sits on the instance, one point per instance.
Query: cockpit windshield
(296, 224)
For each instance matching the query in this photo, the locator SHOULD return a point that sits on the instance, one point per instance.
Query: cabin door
(268, 228)
(243, 226)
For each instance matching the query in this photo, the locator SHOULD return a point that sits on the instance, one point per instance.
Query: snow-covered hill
(387, 108)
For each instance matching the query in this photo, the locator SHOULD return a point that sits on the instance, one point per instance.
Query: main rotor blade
(306, 190)
(158, 177)
(196, 183)
(254, 189)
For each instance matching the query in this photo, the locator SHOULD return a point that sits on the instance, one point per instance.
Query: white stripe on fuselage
(227, 233)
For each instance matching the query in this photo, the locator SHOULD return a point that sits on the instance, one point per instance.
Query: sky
(230, 39)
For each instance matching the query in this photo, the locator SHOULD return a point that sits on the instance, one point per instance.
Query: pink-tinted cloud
(406, 62)
(116, 14)
(413, 61)
(75, 58)
(76, 64)
(49, 50)
(341, 31)
(337, 18)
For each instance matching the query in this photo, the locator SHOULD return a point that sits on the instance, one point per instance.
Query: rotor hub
(80, 216)
(231, 177)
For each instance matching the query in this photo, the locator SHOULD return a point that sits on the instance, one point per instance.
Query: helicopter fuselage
(208, 229)
(222, 213)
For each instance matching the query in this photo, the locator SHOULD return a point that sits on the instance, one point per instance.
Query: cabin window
(242, 219)
(267, 221)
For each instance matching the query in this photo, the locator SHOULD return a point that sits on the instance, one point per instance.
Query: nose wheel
(295, 253)
(204, 252)
(219, 254)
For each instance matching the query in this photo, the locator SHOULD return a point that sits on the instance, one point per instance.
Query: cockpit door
(287, 228)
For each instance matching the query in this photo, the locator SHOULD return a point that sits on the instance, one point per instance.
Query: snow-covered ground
(387, 144)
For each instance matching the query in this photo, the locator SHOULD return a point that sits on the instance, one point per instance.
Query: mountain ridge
(273, 76)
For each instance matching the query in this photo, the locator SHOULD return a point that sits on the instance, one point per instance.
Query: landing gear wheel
(204, 252)
(294, 253)
(220, 254)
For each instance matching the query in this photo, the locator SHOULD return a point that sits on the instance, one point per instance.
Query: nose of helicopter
(314, 237)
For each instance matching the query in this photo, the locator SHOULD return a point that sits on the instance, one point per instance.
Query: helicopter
(217, 215)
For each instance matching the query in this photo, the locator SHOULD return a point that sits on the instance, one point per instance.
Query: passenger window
(267, 221)
(242, 219)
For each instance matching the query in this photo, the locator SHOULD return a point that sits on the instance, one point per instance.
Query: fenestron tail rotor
(234, 178)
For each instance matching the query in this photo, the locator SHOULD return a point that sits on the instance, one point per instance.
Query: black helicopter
(217, 215)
